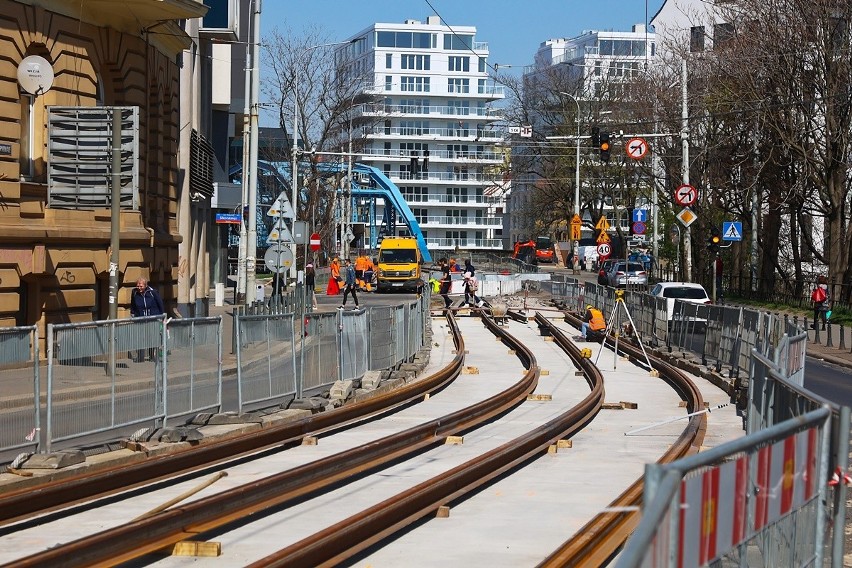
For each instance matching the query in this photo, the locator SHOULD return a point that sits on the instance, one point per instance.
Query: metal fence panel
(266, 358)
(193, 365)
(354, 344)
(403, 316)
(382, 321)
(320, 351)
(20, 425)
(103, 375)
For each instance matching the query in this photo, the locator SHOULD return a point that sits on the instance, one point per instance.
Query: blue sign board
(640, 215)
(639, 228)
(229, 218)
(732, 231)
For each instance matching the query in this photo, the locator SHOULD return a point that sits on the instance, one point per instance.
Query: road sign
(281, 207)
(279, 234)
(278, 258)
(575, 220)
(686, 216)
(576, 232)
(685, 195)
(315, 242)
(636, 148)
(604, 250)
(603, 237)
(526, 131)
(732, 231)
(640, 215)
(602, 224)
(638, 228)
(229, 218)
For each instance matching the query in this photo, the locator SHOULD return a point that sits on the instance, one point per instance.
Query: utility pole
(243, 247)
(251, 252)
(115, 212)
(684, 139)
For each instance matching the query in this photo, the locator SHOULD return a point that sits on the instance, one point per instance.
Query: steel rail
(32, 499)
(135, 539)
(362, 530)
(605, 534)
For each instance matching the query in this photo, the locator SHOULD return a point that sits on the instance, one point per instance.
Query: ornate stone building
(55, 250)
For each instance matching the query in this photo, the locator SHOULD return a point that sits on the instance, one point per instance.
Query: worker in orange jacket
(335, 279)
(360, 267)
(593, 320)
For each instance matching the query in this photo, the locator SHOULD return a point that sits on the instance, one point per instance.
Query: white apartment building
(433, 128)
(591, 61)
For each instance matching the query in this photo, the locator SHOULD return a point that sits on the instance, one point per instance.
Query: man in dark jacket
(145, 301)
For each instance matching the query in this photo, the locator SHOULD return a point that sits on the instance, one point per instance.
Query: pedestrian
(592, 320)
(145, 301)
(470, 287)
(821, 298)
(310, 285)
(334, 279)
(468, 267)
(369, 274)
(446, 282)
(349, 283)
(279, 284)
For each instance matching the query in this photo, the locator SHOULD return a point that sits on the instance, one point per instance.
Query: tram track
(596, 542)
(137, 538)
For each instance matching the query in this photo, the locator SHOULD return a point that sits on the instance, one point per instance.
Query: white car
(685, 292)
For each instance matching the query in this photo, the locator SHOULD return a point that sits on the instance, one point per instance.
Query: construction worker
(360, 268)
(593, 320)
(369, 273)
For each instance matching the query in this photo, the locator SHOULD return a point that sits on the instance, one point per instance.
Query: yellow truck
(399, 266)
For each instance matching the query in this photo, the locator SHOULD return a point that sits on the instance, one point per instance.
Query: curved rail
(601, 538)
(32, 499)
(137, 538)
(353, 535)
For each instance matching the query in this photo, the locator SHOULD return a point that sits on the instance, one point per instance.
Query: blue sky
(513, 28)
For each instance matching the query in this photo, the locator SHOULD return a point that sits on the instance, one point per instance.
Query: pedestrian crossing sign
(732, 231)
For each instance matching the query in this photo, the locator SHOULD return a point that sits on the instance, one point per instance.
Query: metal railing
(19, 409)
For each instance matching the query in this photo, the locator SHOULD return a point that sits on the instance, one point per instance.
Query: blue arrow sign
(640, 215)
(732, 231)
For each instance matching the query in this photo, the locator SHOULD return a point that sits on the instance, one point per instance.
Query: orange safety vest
(597, 322)
(335, 270)
(361, 263)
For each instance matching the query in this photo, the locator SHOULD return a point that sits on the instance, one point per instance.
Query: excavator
(534, 251)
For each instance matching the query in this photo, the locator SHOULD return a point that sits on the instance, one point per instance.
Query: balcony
(471, 134)
(437, 155)
(467, 201)
(464, 243)
(434, 111)
(466, 222)
(448, 177)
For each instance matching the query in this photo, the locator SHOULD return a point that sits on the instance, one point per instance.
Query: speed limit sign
(604, 250)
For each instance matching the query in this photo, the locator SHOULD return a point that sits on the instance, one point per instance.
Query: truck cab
(399, 266)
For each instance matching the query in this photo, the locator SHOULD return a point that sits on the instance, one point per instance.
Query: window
(414, 84)
(722, 33)
(461, 129)
(416, 62)
(696, 39)
(388, 82)
(458, 63)
(458, 42)
(412, 148)
(414, 106)
(457, 150)
(413, 127)
(421, 215)
(457, 194)
(415, 194)
(416, 40)
(388, 60)
(458, 107)
(480, 87)
(482, 65)
(458, 85)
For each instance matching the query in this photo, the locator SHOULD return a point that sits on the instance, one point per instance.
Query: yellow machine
(399, 265)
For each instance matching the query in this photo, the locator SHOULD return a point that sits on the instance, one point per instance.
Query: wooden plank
(196, 548)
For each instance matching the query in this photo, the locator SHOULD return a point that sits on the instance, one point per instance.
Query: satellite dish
(35, 74)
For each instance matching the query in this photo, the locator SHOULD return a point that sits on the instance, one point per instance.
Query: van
(399, 265)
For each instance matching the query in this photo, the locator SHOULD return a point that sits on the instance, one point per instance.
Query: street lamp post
(576, 170)
(294, 183)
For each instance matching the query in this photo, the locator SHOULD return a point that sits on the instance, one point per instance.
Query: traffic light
(596, 136)
(604, 147)
(714, 240)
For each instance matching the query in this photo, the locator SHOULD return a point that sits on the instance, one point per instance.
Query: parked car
(685, 292)
(621, 274)
(603, 273)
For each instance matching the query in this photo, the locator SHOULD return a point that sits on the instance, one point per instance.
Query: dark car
(603, 272)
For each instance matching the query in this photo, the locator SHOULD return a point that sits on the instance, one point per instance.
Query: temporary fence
(266, 358)
(193, 368)
(20, 424)
(355, 343)
(760, 500)
(319, 353)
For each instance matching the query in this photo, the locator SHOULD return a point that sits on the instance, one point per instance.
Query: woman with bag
(820, 297)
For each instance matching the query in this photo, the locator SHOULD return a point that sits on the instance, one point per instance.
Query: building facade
(55, 223)
(433, 130)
